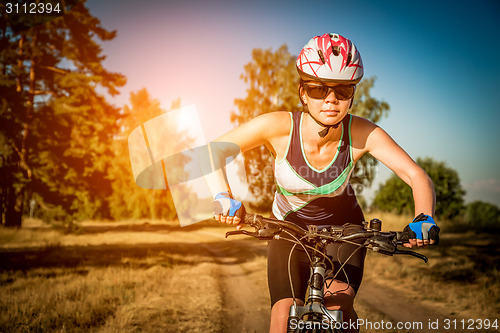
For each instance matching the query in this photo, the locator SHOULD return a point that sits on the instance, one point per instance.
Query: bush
(482, 214)
(396, 196)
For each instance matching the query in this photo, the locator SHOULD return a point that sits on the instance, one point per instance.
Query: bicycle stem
(316, 282)
(314, 305)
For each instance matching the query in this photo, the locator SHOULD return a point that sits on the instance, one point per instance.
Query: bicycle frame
(313, 316)
(314, 310)
(314, 313)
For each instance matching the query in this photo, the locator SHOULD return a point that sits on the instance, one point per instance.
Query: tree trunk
(14, 208)
(14, 196)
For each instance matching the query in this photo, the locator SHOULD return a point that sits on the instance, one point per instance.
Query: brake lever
(390, 248)
(263, 234)
(411, 253)
(242, 232)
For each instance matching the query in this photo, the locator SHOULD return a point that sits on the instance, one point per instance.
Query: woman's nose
(331, 98)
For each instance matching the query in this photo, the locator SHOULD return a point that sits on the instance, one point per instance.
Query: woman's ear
(352, 98)
(302, 95)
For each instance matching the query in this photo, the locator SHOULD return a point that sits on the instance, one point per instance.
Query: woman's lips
(330, 112)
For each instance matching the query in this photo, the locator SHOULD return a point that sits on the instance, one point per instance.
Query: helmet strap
(326, 129)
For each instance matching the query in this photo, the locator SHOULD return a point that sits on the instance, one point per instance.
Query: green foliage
(127, 199)
(482, 214)
(396, 196)
(57, 127)
(273, 86)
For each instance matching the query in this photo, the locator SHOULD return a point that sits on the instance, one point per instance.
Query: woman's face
(333, 107)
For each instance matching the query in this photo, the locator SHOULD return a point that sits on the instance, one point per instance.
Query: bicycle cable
(342, 268)
(297, 241)
(290, 274)
(304, 246)
(333, 276)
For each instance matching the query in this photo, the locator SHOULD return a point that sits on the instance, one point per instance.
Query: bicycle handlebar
(376, 240)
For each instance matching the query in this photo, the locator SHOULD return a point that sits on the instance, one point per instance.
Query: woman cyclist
(315, 152)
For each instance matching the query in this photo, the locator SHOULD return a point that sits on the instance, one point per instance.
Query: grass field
(153, 276)
(119, 277)
(462, 274)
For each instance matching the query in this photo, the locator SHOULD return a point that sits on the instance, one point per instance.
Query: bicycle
(313, 316)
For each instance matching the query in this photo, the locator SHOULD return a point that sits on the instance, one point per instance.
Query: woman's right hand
(228, 210)
(423, 231)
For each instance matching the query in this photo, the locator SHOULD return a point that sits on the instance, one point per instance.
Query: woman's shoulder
(361, 130)
(361, 125)
(276, 115)
(277, 122)
(361, 121)
(262, 129)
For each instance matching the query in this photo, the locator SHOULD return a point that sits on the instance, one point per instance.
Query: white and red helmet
(330, 58)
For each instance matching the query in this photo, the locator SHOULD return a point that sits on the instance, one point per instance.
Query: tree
(482, 214)
(395, 195)
(127, 199)
(56, 126)
(273, 85)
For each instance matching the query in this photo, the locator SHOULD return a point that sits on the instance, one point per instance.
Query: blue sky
(436, 64)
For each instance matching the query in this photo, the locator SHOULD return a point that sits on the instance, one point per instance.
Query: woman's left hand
(423, 231)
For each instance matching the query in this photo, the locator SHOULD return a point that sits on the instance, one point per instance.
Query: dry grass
(154, 276)
(112, 299)
(368, 313)
(462, 275)
(130, 277)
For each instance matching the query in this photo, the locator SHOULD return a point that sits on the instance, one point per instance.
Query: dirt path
(397, 307)
(400, 306)
(237, 277)
(243, 283)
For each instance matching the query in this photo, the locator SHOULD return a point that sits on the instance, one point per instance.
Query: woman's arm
(245, 137)
(258, 131)
(381, 146)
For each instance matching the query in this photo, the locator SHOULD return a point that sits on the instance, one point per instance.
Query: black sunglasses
(320, 91)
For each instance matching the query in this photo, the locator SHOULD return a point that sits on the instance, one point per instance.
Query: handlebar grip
(402, 237)
(260, 222)
(253, 220)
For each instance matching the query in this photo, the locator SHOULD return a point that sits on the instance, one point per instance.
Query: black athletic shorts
(277, 268)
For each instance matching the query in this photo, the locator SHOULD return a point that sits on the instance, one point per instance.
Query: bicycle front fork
(314, 313)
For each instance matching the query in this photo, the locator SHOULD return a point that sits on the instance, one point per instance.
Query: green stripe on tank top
(322, 190)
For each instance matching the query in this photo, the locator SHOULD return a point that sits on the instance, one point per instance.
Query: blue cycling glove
(423, 227)
(225, 205)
